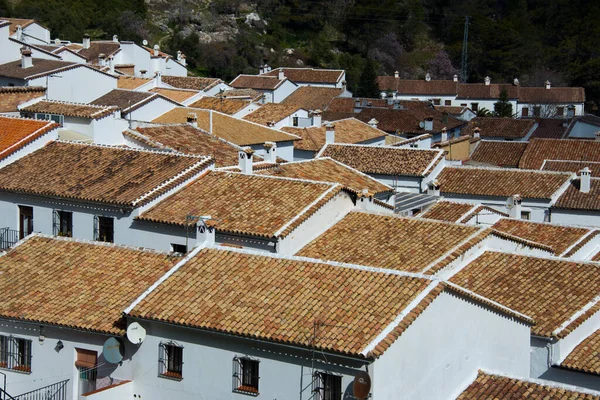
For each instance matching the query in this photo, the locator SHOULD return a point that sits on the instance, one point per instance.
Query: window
(526, 215)
(525, 112)
(414, 145)
(245, 375)
(59, 119)
(463, 104)
(25, 221)
(437, 102)
(448, 102)
(295, 121)
(327, 386)
(15, 354)
(560, 111)
(104, 229)
(475, 106)
(178, 248)
(86, 364)
(170, 361)
(537, 110)
(63, 223)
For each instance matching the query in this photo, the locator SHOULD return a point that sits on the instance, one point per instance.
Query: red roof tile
(15, 133)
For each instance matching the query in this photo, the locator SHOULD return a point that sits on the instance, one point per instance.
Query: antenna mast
(463, 63)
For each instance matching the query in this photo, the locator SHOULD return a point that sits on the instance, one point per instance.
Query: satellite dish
(362, 385)
(136, 333)
(421, 124)
(113, 350)
(145, 42)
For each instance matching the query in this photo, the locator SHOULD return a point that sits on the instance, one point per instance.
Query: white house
(314, 77)
(235, 107)
(28, 30)
(279, 116)
(583, 127)
(135, 105)
(275, 88)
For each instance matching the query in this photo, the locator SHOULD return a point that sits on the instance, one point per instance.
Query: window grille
(326, 386)
(245, 375)
(179, 248)
(295, 121)
(104, 229)
(170, 360)
(15, 354)
(62, 224)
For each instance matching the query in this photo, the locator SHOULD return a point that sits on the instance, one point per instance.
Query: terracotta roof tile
(249, 94)
(571, 166)
(551, 291)
(96, 48)
(586, 356)
(328, 170)
(405, 86)
(40, 67)
(448, 211)
(241, 204)
(481, 91)
(14, 22)
(574, 199)
(188, 139)
(221, 104)
(539, 150)
(240, 132)
(271, 112)
(582, 243)
(499, 153)
(348, 130)
(501, 182)
(549, 128)
(404, 244)
(178, 95)
(309, 75)
(15, 133)
(11, 97)
(312, 97)
(78, 110)
(500, 127)
(284, 300)
(131, 82)
(191, 82)
(559, 237)
(96, 173)
(39, 268)
(541, 95)
(493, 387)
(384, 160)
(126, 100)
(257, 82)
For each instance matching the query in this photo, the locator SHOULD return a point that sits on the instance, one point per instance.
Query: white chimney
(158, 79)
(270, 152)
(597, 136)
(115, 39)
(373, 123)
(444, 134)
(428, 124)
(548, 85)
(455, 78)
(156, 50)
(516, 82)
(513, 203)
(364, 200)
(111, 64)
(192, 119)
(477, 132)
(102, 59)
(57, 41)
(262, 69)
(26, 60)
(86, 41)
(143, 72)
(488, 80)
(245, 160)
(585, 176)
(433, 188)
(396, 74)
(205, 232)
(280, 74)
(317, 116)
(182, 59)
(329, 134)
(428, 77)
(19, 32)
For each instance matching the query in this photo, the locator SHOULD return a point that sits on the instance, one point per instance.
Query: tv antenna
(464, 55)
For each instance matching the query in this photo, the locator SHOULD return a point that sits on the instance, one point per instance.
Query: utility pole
(463, 63)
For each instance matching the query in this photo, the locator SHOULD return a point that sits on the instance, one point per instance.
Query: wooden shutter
(86, 358)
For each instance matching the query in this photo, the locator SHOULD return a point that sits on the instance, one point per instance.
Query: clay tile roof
(15, 133)
(499, 153)
(405, 86)
(539, 150)
(221, 104)
(550, 290)
(549, 128)
(384, 160)
(131, 82)
(558, 237)
(258, 82)
(500, 127)
(448, 211)
(328, 170)
(501, 182)
(493, 387)
(239, 202)
(237, 131)
(309, 75)
(40, 67)
(348, 130)
(14, 22)
(312, 97)
(249, 94)
(586, 356)
(480, 91)
(126, 100)
(285, 300)
(41, 267)
(11, 97)
(271, 112)
(571, 166)
(99, 47)
(187, 139)
(574, 199)
(178, 95)
(541, 95)
(386, 241)
(191, 82)
(95, 173)
(70, 109)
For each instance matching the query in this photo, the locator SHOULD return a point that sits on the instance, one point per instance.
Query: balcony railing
(56, 391)
(8, 238)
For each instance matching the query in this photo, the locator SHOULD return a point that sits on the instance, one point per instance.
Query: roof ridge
(123, 148)
(547, 223)
(479, 230)
(346, 166)
(518, 170)
(285, 178)
(575, 316)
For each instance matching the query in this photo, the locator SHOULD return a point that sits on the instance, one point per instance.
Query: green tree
(367, 86)
(503, 108)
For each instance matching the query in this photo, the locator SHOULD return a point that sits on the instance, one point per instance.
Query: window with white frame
(15, 354)
(327, 386)
(245, 375)
(170, 360)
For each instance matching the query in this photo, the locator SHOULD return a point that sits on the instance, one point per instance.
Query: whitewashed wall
(69, 86)
(151, 110)
(576, 217)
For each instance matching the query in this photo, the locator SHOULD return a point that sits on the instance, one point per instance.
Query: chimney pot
(86, 42)
(245, 160)
(396, 74)
(19, 32)
(329, 134)
(514, 206)
(477, 132)
(270, 152)
(428, 124)
(280, 74)
(115, 39)
(433, 188)
(585, 176)
(516, 82)
(192, 119)
(444, 134)
(548, 85)
(455, 78)
(373, 123)
(317, 118)
(488, 81)
(156, 50)
(26, 60)
(428, 77)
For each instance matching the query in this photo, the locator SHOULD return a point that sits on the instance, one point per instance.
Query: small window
(15, 354)
(327, 386)
(87, 366)
(560, 111)
(448, 102)
(463, 104)
(525, 112)
(414, 145)
(178, 248)
(526, 215)
(63, 223)
(295, 121)
(245, 375)
(437, 102)
(104, 229)
(415, 211)
(475, 106)
(537, 111)
(170, 361)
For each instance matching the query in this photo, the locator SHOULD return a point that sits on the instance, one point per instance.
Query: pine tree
(503, 108)
(368, 87)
